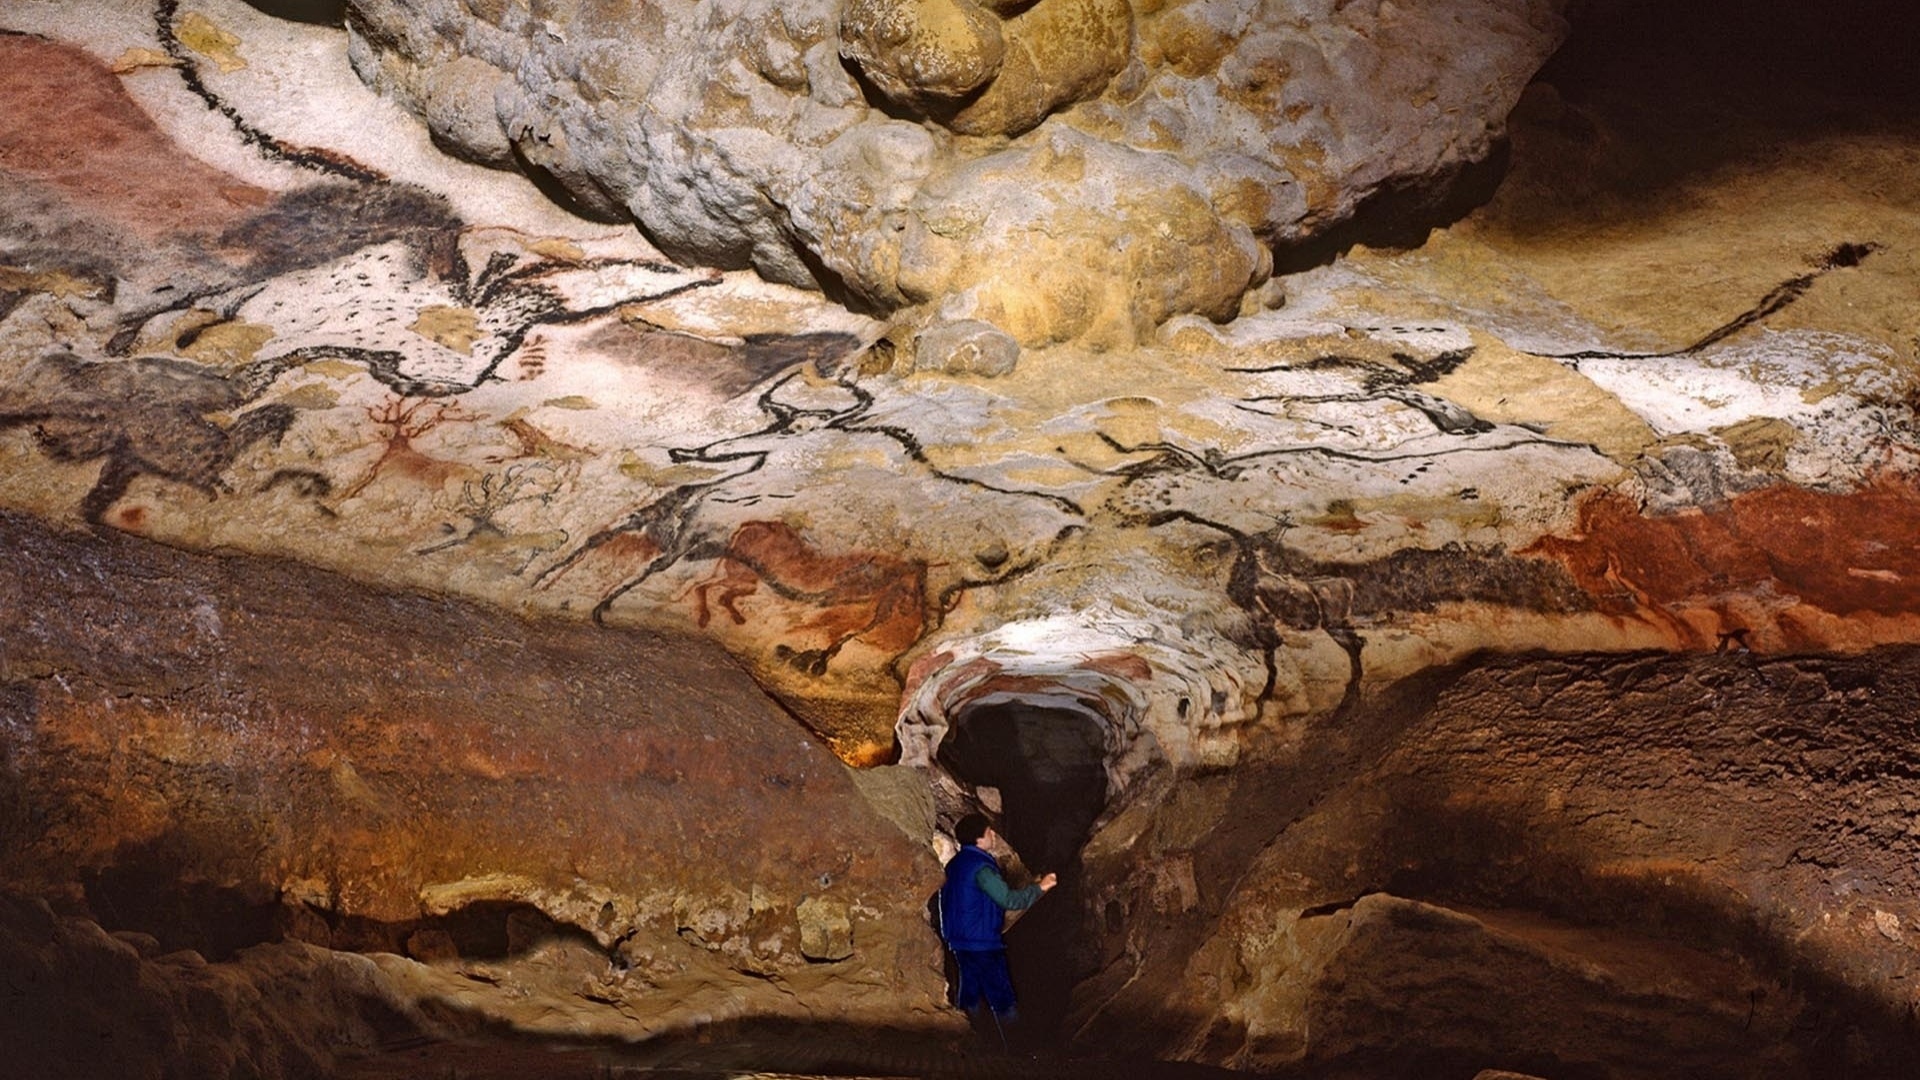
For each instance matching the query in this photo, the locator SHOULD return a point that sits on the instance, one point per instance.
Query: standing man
(973, 905)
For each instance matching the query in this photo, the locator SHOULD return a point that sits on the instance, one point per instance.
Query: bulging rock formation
(1068, 170)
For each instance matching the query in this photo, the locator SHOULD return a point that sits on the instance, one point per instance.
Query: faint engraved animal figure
(876, 597)
(483, 502)
(152, 416)
(534, 443)
(1310, 603)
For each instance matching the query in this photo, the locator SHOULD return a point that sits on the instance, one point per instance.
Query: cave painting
(151, 417)
(1778, 569)
(868, 596)
(1427, 616)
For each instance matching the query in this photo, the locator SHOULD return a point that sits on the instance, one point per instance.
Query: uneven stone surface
(567, 831)
(968, 347)
(84, 1003)
(735, 136)
(1548, 864)
(1522, 609)
(449, 391)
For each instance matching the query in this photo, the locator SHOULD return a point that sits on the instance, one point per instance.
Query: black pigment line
(951, 594)
(910, 443)
(1165, 456)
(1343, 428)
(1168, 517)
(1318, 363)
(559, 315)
(1439, 414)
(1377, 375)
(671, 515)
(307, 482)
(1219, 469)
(1315, 399)
(1781, 296)
(479, 290)
(1243, 590)
(666, 520)
(707, 455)
(782, 420)
(492, 499)
(269, 147)
(1437, 367)
(385, 365)
(1351, 643)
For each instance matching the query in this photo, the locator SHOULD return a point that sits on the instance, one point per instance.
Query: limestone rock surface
(1559, 857)
(923, 50)
(1507, 439)
(734, 134)
(286, 756)
(1542, 595)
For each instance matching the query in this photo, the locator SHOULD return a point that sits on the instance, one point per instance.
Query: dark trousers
(982, 977)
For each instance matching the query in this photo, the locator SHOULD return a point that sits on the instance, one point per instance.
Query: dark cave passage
(1774, 52)
(1049, 765)
(1644, 96)
(1645, 100)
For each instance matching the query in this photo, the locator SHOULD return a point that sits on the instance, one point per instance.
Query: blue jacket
(970, 912)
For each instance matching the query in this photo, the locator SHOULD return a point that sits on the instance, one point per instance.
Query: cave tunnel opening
(1049, 764)
(1645, 98)
(1048, 761)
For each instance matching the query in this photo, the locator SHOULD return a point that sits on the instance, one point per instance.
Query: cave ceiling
(1208, 378)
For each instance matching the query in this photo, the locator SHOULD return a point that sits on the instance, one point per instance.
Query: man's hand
(1048, 881)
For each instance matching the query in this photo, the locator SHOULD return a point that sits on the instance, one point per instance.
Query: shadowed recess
(1048, 763)
(318, 12)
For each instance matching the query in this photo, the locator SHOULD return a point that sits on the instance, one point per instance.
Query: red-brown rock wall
(1715, 851)
(220, 752)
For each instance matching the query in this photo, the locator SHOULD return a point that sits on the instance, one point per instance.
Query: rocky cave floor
(445, 637)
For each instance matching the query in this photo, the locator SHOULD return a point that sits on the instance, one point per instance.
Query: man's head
(968, 830)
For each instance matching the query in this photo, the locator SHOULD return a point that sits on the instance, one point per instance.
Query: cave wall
(225, 753)
(1618, 866)
(84, 1002)
(1493, 626)
(1067, 170)
(341, 348)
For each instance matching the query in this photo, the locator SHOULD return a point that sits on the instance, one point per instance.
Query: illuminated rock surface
(478, 608)
(1130, 157)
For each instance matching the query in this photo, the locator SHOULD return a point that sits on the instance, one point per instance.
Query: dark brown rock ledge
(567, 829)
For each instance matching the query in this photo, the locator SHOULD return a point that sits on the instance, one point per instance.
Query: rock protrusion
(1131, 163)
(916, 50)
(967, 347)
(826, 929)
